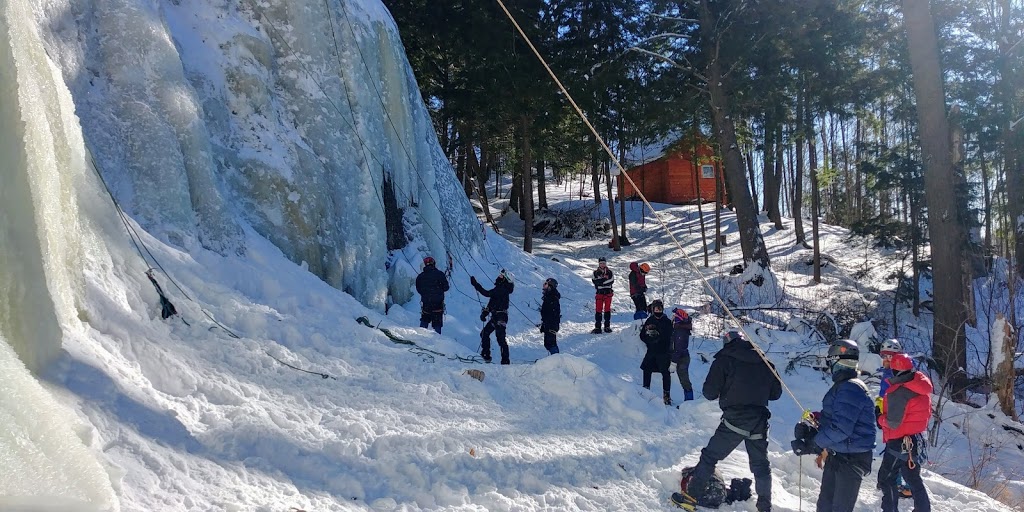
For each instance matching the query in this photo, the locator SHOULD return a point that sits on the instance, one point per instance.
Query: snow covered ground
(191, 418)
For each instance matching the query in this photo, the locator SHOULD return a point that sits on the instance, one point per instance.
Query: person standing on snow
(889, 348)
(657, 335)
(431, 284)
(906, 410)
(603, 281)
(550, 314)
(497, 308)
(682, 326)
(845, 434)
(743, 383)
(638, 288)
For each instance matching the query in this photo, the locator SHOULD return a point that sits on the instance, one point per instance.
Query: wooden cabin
(668, 175)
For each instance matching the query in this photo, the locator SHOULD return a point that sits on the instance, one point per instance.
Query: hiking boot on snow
(595, 330)
(763, 505)
(683, 501)
(607, 329)
(687, 395)
(668, 399)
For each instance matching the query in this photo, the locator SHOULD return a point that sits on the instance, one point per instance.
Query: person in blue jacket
(846, 431)
(431, 285)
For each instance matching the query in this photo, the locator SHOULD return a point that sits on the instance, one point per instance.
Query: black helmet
(731, 334)
(551, 282)
(844, 349)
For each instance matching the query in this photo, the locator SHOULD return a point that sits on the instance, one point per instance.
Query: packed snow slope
(268, 392)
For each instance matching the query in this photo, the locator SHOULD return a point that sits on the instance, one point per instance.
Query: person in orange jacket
(906, 410)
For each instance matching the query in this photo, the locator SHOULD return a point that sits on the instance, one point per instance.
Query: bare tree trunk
(623, 240)
(527, 179)
(611, 205)
(595, 168)
(986, 186)
(718, 213)
(798, 178)
(751, 242)
(944, 222)
(815, 199)
(750, 175)
(858, 195)
(1013, 136)
(1004, 341)
(542, 193)
(700, 199)
(773, 169)
(480, 177)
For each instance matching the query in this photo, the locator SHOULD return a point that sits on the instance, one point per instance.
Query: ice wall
(46, 466)
(284, 115)
(41, 148)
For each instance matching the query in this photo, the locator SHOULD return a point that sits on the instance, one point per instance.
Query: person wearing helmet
(907, 410)
(431, 284)
(743, 383)
(638, 288)
(657, 335)
(550, 314)
(603, 281)
(846, 431)
(682, 326)
(890, 347)
(497, 309)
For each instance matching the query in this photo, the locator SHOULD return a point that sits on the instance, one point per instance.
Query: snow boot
(683, 501)
(607, 321)
(687, 395)
(668, 399)
(486, 356)
(763, 505)
(597, 323)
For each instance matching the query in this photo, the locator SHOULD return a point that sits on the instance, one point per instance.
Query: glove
(483, 314)
(472, 279)
(820, 459)
(541, 327)
(878, 407)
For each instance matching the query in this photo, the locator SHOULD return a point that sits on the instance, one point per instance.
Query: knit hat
(901, 363)
(601, 259)
(680, 315)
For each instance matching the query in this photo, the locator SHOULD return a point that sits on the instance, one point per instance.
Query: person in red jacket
(906, 410)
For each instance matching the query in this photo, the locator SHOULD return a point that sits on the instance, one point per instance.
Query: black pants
(723, 442)
(496, 325)
(895, 463)
(432, 314)
(841, 479)
(666, 380)
(551, 341)
(639, 301)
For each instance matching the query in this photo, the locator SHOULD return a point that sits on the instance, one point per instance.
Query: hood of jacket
(740, 350)
(552, 293)
(634, 266)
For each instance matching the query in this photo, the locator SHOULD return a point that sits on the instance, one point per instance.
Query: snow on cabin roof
(649, 152)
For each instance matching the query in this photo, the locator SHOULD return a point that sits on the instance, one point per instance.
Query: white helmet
(891, 345)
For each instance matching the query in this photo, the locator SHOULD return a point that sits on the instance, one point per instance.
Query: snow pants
(432, 313)
(551, 342)
(841, 479)
(639, 302)
(604, 303)
(496, 325)
(754, 424)
(683, 369)
(896, 462)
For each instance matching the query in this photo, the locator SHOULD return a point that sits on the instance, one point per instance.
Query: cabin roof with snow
(667, 172)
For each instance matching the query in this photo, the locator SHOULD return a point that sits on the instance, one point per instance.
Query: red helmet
(901, 363)
(429, 261)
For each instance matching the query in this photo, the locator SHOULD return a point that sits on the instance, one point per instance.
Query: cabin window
(707, 171)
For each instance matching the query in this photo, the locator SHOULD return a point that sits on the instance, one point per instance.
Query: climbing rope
(661, 221)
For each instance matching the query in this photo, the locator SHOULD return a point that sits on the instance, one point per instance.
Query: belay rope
(425, 353)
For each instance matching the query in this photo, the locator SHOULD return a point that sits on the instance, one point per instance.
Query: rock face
(299, 120)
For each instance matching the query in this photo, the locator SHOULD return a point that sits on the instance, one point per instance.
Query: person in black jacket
(431, 285)
(682, 326)
(550, 314)
(497, 308)
(657, 335)
(603, 281)
(743, 383)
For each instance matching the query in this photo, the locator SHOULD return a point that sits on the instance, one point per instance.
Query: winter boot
(763, 505)
(687, 395)
(607, 321)
(597, 323)
(683, 501)
(504, 355)
(668, 398)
